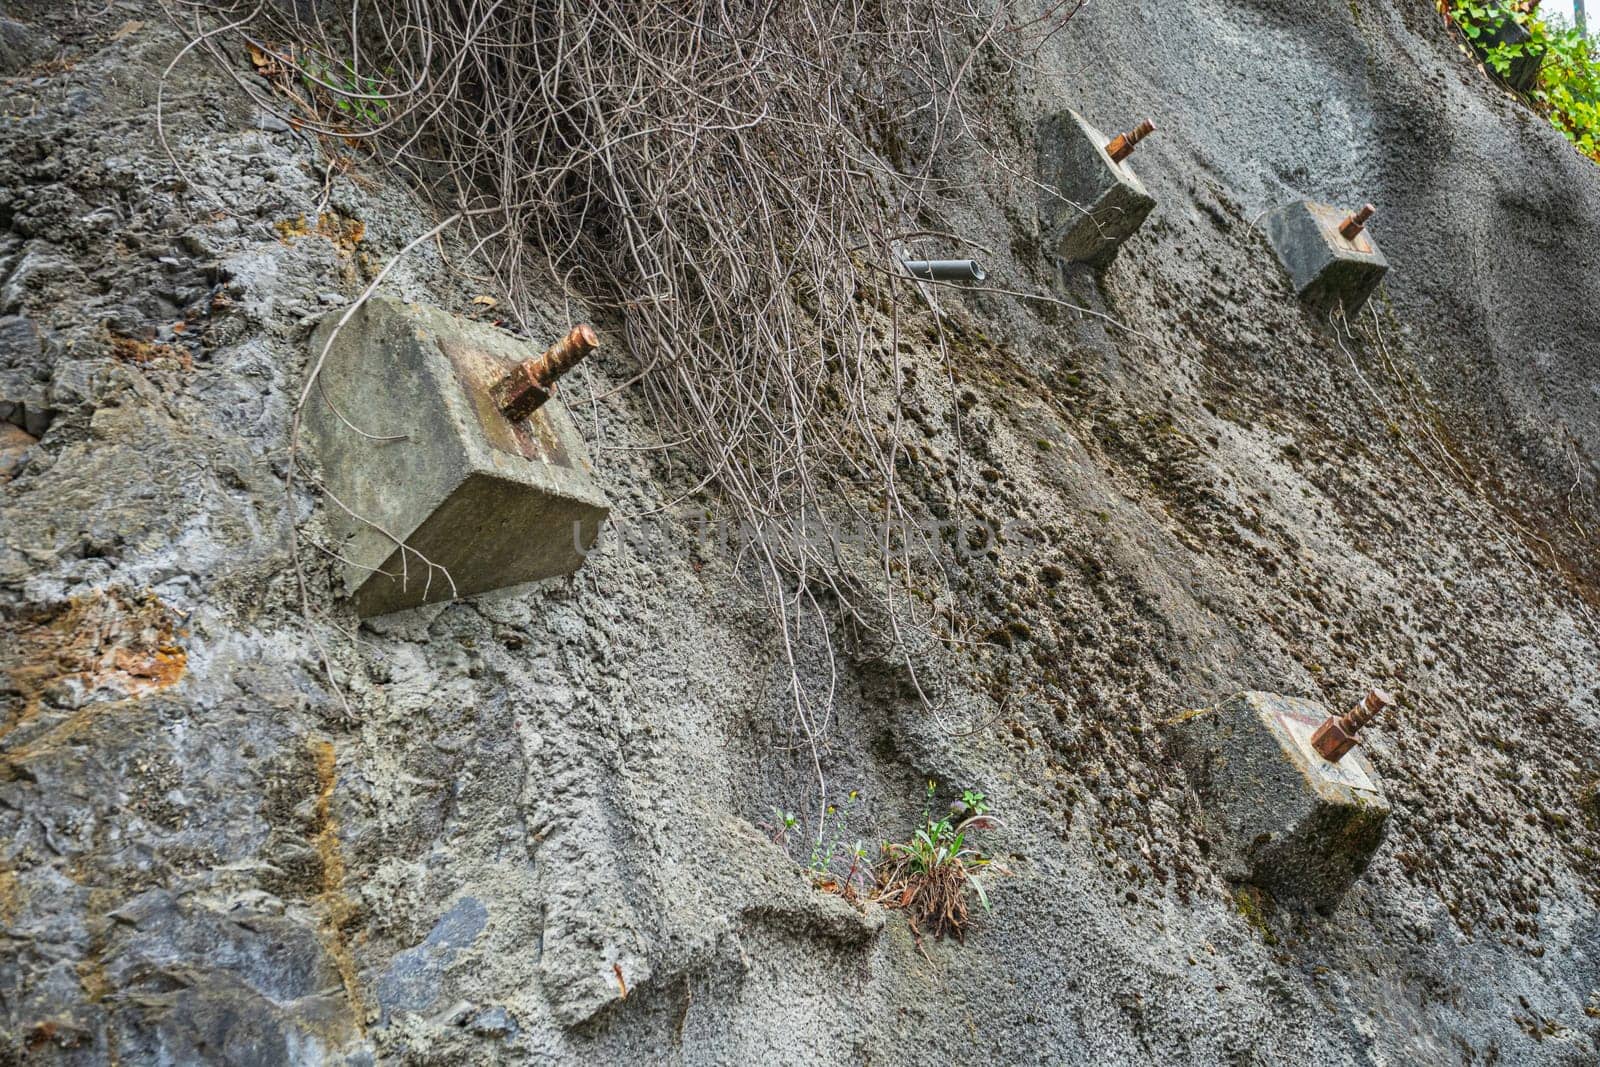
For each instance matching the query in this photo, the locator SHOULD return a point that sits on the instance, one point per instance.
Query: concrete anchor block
(1328, 269)
(1091, 203)
(423, 453)
(1290, 821)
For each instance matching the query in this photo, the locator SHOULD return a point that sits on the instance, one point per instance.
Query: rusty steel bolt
(1121, 146)
(527, 386)
(1337, 736)
(1353, 224)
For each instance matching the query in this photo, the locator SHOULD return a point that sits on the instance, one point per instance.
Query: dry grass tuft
(933, 876)
(935, 901)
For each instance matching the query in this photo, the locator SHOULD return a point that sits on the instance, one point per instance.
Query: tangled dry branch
(728, 178)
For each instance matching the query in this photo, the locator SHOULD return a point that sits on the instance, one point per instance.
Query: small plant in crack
(836, 863)
(357, 97)
(783, 825)
(933, 876)
(839, 865)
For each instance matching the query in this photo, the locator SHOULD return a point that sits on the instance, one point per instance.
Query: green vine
(1567, 91)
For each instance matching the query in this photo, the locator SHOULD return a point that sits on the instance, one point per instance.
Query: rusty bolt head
(1332, 741)
(520, 393)
(1337, 736)
(1121, 146)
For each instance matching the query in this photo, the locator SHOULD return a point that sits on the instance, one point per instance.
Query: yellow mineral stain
(345, 233)
(10, 895)
(105, 640)
(337, 908)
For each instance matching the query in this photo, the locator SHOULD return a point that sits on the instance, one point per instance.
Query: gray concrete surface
(205, 857)
(441, 495)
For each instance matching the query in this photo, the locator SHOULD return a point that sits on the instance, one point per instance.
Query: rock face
(1301, 826)
(238, 825)
(14, 445)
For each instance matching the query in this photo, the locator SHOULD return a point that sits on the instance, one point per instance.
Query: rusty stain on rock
(103, 646)
(337, 908)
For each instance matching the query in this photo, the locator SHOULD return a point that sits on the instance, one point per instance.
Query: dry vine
(728, 181)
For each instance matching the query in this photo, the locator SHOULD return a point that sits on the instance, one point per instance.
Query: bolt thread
(1122, 145)
(565, 354)
(1354, 223)
(1367, 710)
(527, 386)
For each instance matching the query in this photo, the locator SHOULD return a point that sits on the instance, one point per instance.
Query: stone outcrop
(239, 825)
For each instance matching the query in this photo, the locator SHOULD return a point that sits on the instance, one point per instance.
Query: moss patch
(1255, 905)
